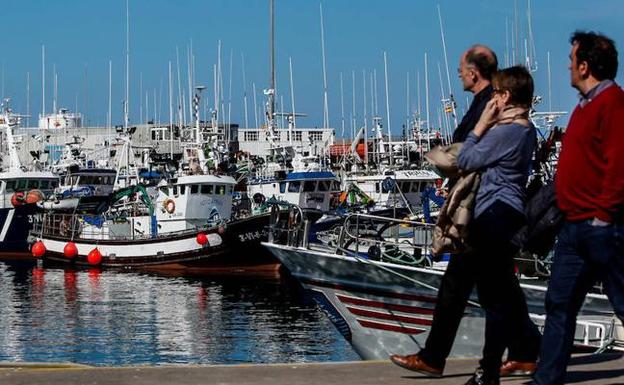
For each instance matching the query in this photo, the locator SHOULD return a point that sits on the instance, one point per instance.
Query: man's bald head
(476, 67)
(483, 59)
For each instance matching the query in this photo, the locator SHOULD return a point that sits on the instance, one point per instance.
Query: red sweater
(590, 172)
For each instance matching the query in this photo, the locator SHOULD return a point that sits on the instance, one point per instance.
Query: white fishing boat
(378, 285)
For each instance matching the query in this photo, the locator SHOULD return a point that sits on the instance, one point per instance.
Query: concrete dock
(604, 369)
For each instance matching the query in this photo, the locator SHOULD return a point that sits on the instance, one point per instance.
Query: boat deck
(584, 369)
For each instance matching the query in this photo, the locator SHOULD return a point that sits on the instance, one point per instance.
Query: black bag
(544, 220)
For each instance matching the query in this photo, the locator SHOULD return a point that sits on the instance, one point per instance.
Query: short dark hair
(483, 59)
(518, 81)
(598, 51)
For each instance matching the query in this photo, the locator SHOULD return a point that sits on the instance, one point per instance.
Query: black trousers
(489, 267)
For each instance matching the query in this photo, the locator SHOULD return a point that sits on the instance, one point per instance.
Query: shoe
(415, 363)
(517, 368)
(480, 378)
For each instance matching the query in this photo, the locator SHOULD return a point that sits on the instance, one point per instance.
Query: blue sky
(81, 36)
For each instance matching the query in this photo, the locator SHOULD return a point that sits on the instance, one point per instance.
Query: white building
(256, 140)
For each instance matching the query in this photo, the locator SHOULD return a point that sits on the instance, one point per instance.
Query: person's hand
(488, 118)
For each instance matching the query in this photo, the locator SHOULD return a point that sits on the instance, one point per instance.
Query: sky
(82, 36)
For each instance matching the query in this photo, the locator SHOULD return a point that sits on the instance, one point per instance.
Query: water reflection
(111, 318)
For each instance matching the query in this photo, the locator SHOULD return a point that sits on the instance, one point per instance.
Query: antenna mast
(448, 76)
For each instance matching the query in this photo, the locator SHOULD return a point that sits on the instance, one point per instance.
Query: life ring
(169, 205)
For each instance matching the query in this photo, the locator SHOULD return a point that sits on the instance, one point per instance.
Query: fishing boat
(377, 282)
(20, 190)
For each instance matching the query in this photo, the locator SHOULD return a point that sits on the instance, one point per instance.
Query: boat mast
(245, 91)
(127, 102)
(43, 81)
(271, 90)
(448, 76)
(388, 108)
(325, 102)
(292, 100)
(427, 103)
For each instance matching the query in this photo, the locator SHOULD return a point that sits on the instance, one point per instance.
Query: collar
(485, 93)
(597, 90)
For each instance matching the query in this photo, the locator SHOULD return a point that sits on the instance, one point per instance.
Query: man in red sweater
(590, 192)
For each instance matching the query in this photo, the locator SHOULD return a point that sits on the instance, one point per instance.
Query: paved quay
(605, 369)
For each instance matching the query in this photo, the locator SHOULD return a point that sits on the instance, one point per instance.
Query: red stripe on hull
(383, 305)
(389, 317)
(390, 328)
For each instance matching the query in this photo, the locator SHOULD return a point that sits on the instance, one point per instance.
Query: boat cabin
(306, 189)
(192, 201)
(25, 181)
(392, 188)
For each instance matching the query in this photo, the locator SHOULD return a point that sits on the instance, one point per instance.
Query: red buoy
(202, 239)
(70, 250)
(94, 257)
(17, 199)
(38, 249)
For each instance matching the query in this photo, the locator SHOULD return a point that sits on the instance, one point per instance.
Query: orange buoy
(70, 250)
(34, 196)
(38, 249)
(202, 239)
(94, 257)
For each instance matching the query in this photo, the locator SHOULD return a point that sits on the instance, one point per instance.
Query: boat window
(21, 185)
(10, 185)
(175, 191)
(54, 184)
(405, 187)
(335, 186)
(164, 190)
(44, 184)
(323, 185)
(230, 189)
(183, 189)
(194, 189)
(416, 187)
(376, 186)
(294, 187)
(309, 186)
(206, 189)
(282, 187)
(220, 189)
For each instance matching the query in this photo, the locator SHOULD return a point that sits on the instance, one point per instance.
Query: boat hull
(232, 248)
(15, 225)
(383, 308)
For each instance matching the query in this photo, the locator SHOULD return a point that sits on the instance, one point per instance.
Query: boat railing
(288, 225)
(72, 226)
(386, 239)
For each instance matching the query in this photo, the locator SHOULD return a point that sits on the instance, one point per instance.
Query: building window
(251, 136)
(297, 136)
(315, 136)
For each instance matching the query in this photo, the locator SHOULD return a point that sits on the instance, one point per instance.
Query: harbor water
(126, 318)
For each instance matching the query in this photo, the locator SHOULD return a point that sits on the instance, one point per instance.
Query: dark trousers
(463, 272)
(584, 255)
